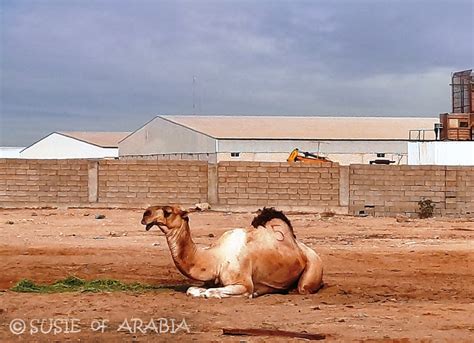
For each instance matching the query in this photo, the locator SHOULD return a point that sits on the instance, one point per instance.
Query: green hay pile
(75, 284)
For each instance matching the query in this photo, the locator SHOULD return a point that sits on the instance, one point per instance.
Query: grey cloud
(114, 65)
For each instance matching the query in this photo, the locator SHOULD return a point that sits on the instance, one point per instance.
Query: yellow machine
(306, 157)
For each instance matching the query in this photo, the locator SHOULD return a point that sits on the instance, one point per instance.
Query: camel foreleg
(220, 292)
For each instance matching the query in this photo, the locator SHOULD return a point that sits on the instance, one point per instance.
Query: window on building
(453, 123)
(463, 124)
(381, 155)
(235, 154)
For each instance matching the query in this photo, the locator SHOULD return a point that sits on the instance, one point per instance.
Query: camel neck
(186, 255)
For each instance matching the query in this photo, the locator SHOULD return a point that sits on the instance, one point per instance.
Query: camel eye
(167, 211)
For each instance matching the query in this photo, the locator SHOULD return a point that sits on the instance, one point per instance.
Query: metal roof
(101, 139)
(290, 127)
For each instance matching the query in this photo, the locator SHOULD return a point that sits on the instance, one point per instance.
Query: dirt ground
(389, 281)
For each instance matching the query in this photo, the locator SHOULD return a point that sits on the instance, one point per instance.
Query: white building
(65, 145)
(10, 152)
(345, 140)
(453, 153)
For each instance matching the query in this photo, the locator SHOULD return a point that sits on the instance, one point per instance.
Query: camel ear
(183, 213)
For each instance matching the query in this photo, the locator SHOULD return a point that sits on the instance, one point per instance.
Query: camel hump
(270, 213)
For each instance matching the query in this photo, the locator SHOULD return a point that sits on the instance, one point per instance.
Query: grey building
(345, 140)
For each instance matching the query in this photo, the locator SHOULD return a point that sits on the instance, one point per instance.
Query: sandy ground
(385, 280)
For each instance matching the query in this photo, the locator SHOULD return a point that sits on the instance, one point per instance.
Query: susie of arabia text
(55, 326)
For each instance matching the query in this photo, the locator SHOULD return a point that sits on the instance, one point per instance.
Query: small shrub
(426, 208)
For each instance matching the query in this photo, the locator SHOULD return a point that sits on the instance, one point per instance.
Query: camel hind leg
(311, 280)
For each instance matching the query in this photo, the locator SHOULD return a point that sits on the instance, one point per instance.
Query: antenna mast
(194, 94)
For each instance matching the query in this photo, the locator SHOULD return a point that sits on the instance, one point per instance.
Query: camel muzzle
(150, 225)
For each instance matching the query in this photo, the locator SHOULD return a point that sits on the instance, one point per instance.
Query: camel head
(166, 218)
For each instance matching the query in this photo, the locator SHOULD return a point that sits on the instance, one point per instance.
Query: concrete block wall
(278, 184)
(391, 190)
(43, 182)
(142, 182)
(459, 190)
(374, 189)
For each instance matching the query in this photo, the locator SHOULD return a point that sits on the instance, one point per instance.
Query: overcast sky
(113, 65)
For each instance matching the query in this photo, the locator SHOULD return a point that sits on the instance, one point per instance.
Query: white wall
(329, 147)
(161, 136)
(343, 159)
(10, 152)
(342, 152)
(441, 153)
(56, 146)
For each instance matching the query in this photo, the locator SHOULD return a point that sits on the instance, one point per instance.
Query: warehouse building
(345, 140)
(65, 145)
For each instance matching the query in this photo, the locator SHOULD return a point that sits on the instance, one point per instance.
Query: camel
(248, 262)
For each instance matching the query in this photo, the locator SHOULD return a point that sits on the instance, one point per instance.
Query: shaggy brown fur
(269, 213)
